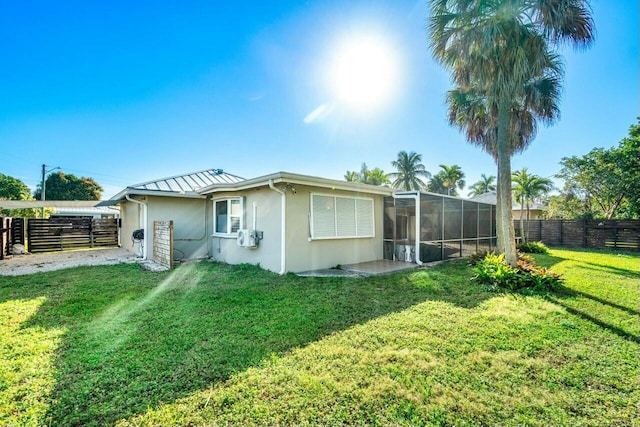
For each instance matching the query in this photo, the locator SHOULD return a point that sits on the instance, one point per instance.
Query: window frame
(312, 233)
(229, 234)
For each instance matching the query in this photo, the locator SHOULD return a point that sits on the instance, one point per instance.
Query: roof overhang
(27, 204)
(122, 196)
(296, 179)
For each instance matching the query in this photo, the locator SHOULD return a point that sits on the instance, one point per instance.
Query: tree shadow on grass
(565, 293)
(135, 339)
(605, 325)
(573, 292)
(610, 269)
(547, 260)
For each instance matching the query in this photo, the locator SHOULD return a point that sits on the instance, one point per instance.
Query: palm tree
(352, 176)
(436, 185)
(452, 177)
(527, 189)
(374, 176)
(468, 111)
(377, 176)
(495, 49)
(410, 170)
(483, 186)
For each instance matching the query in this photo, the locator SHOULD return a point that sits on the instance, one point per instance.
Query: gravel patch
(18, 265)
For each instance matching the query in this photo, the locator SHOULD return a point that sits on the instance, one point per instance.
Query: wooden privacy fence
(605, 233)
(59, 234)
(11, 233)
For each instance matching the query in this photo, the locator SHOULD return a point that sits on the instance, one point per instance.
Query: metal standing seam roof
(190, 182)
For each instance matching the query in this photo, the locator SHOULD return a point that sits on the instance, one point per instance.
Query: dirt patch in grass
(18, 265)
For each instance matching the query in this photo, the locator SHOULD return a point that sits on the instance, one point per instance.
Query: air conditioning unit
(247, 238)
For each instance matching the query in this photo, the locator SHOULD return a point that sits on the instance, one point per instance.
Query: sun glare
(364, 73)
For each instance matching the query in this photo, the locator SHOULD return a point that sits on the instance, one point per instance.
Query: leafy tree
(374, 176)
(452, 177)
(61, 186)
(409, 171)
(485, 185)
(607, 178)
(14, 189)
(527, 189)
(495, 51)
(568, 205)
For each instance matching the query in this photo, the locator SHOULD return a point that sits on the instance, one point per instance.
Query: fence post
(561, 232)
(584, 232)
(91, 232)
(539, 230)
(2, 239)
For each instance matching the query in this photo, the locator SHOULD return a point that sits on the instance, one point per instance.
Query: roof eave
(121, 196)
(297, 179)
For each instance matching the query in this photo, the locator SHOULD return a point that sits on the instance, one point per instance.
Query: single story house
(288, 222)
(536, 210)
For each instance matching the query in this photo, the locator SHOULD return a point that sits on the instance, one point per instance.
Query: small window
(227, 216)
(338, 217)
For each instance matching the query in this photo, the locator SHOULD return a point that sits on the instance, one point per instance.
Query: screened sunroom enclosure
(448, 227)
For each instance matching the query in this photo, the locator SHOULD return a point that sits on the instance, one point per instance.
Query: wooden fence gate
(11, 233)
(60, 234)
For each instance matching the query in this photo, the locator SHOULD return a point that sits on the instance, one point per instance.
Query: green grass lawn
(210, 344)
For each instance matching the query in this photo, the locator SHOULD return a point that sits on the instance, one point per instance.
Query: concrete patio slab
(382, 266)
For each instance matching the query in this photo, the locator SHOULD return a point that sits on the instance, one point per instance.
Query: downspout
(416, 197)
(144, 226)
(283, 226)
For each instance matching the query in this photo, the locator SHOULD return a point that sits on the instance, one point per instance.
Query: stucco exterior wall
(533, 214)
(268, 209)
(303, 254)
(190, 218)
(131, 215)
(194, 237)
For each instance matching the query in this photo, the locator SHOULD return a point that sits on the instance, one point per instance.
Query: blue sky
(126, 92)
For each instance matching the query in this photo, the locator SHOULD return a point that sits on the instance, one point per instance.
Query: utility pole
(42, 188)
(44, 184)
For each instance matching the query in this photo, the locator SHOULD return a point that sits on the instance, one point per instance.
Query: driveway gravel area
(18, 265)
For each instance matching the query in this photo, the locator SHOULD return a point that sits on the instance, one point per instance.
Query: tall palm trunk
(522, 236)
(499, 213)
(528, 219)
(505, 222)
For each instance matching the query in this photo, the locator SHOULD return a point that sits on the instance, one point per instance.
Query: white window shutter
(345, 217)
(364, 215)
(324, 216)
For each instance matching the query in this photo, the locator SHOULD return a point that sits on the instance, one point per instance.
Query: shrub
(533, 248)
(480, 255)
(495, 271)
(526, 258)
(476, 257)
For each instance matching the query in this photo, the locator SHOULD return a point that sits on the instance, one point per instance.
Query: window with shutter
(338, 217)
